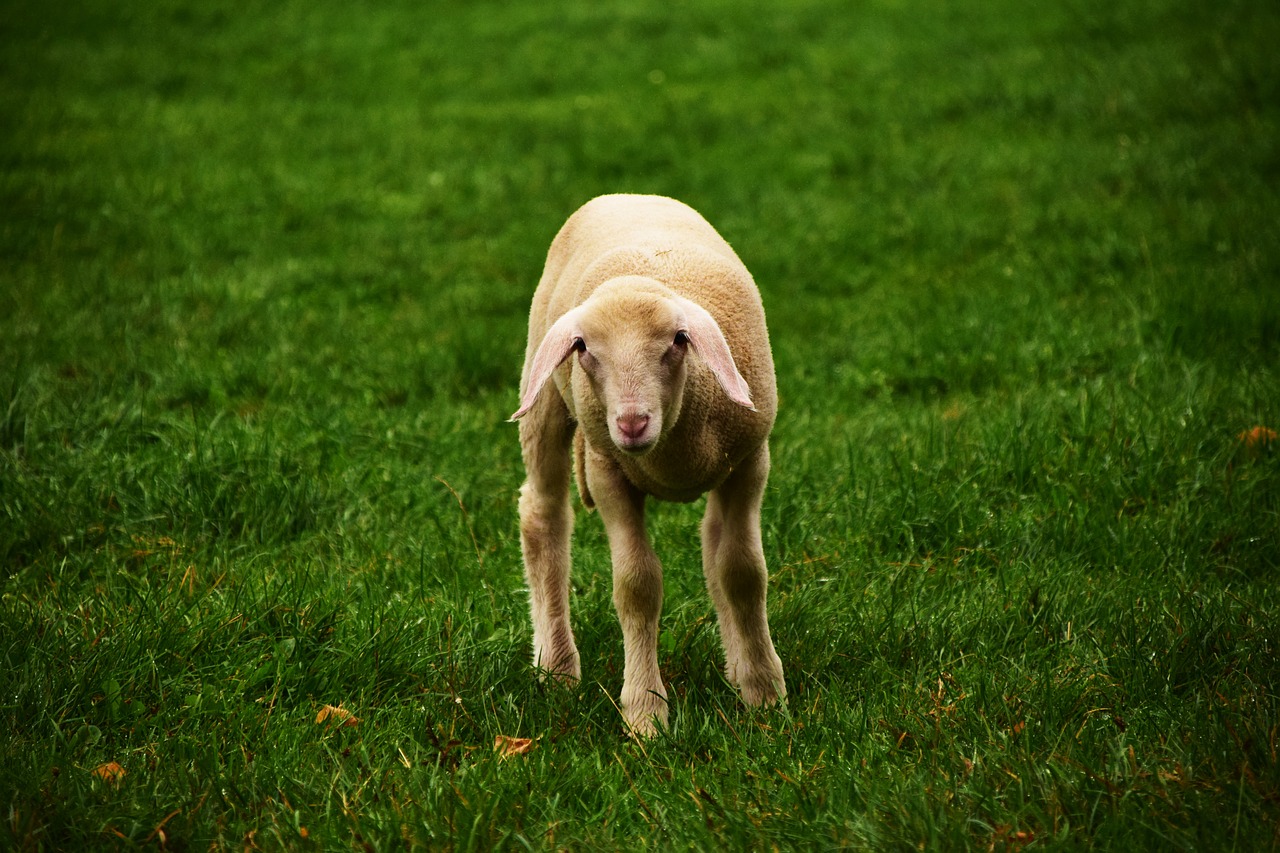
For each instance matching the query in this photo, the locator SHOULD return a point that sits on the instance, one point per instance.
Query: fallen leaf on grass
(109, 772)
(1257, 440)
(337, 714)
(506, 746)
(1010, 839)
(144, 547)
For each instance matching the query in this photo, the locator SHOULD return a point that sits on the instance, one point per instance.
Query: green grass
(263, 291)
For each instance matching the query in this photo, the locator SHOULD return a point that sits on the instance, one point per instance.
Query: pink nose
(631, 426)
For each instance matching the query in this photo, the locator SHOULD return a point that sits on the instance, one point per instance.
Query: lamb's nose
(631, 426)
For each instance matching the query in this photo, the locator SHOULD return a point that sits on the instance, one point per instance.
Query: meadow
(265, 271)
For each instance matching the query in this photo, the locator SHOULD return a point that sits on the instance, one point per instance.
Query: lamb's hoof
(764, 693)
(564, 668)
(645, 714)
(564, 679)
(764, 686)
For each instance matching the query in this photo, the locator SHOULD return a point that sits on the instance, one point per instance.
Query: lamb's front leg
(546, 525)
(637, 594)
(737, 578)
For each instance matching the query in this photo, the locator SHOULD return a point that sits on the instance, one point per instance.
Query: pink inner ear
(556, 346)
(709, 342)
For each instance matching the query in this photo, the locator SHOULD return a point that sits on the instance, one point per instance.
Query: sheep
(653, 334)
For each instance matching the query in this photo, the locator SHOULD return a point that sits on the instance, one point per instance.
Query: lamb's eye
(682, 338)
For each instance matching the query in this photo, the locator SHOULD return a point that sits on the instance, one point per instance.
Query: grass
(262, 303)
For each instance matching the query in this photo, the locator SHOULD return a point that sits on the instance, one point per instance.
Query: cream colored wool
(648, 360)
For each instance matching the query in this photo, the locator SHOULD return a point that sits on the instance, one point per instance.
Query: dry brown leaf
(1258, 435)
(145, 547)
(109, 772)
(506, 746)
(337, 714)
(1258, 439)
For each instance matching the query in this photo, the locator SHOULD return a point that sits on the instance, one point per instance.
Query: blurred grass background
(265, 278)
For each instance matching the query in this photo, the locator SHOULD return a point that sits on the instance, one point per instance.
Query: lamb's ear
(559, 341)
(709, 343)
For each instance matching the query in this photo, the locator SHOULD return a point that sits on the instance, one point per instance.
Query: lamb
(653, 334)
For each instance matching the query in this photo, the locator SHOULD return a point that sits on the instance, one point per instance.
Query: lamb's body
(625, 278)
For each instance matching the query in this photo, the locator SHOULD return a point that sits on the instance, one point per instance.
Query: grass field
(264, 279)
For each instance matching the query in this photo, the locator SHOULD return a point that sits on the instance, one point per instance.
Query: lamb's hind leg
(737, 578)
(546, 525)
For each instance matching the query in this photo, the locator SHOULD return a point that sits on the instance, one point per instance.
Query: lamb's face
(634, 359)
(631, 340)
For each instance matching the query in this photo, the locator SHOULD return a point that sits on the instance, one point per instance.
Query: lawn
(264, 279)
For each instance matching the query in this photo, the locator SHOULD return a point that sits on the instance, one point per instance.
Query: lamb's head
(632, 339)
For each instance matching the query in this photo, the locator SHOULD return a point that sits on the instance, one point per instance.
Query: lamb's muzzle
(633, 433)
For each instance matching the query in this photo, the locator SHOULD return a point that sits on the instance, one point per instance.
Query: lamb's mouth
(635, 447)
